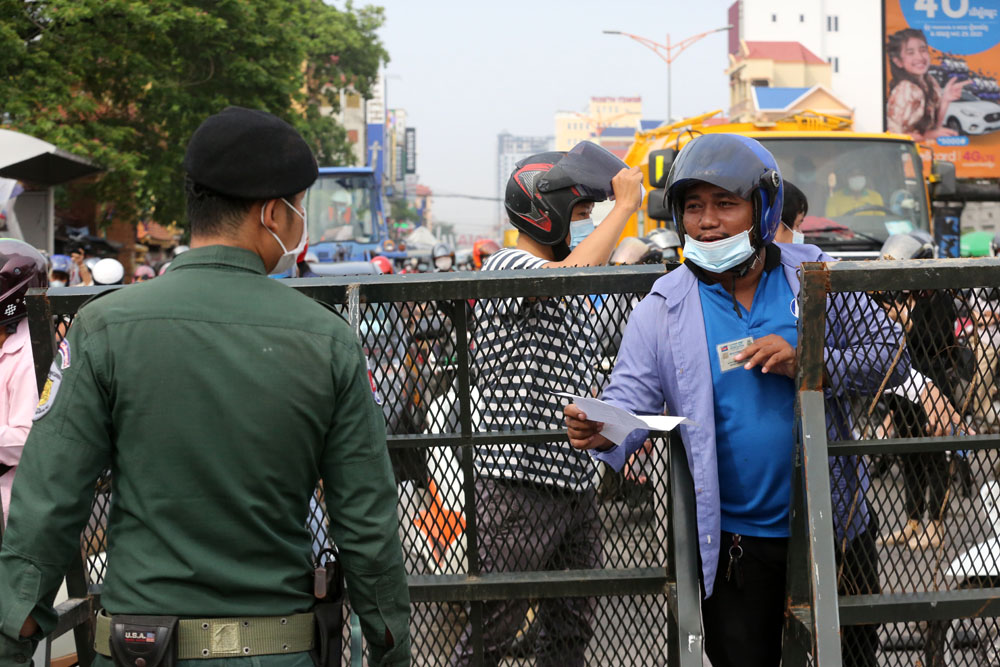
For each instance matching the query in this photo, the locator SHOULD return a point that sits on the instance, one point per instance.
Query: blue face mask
(579, 230)
(719, 256)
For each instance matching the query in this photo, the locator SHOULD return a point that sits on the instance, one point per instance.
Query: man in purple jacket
(715, 342)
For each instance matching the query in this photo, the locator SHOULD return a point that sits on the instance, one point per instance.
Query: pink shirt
(17, 403)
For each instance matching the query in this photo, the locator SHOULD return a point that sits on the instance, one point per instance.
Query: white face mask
(288, 257)
(719, 256)
(856, 183)
(797, 237)
(443, 263)
(57, 283)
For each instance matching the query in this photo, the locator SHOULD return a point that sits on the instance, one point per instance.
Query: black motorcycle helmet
(544, 188)
(21, 267)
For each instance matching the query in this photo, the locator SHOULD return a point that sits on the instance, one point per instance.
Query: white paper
(619, 423)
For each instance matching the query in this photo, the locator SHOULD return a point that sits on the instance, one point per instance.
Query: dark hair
(210, 212)
(894, 49)
(793, 203)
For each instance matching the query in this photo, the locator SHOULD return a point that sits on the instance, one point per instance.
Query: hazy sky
(466, 71)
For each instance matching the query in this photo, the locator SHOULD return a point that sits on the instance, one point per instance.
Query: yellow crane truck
(823, 157)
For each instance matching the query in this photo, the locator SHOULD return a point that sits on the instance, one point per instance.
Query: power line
(461, 196)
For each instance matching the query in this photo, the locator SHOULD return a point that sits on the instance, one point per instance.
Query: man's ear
(267, 214)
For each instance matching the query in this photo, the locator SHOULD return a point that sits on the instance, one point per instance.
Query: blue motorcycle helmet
(61, 263)
(735, 163)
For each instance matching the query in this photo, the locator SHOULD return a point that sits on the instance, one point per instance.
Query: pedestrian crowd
(261, 394)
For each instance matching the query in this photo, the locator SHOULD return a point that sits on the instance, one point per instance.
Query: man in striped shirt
(536, 503)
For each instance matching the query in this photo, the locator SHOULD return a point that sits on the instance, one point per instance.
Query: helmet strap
(751, 262)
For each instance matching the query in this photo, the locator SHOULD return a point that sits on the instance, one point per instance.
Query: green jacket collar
(220, 256)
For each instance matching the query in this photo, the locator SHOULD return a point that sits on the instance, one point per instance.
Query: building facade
(572, 127)
(845, 34)
(769, 81)
(351, 117)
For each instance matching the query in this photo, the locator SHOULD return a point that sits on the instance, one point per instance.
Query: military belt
(203, 638)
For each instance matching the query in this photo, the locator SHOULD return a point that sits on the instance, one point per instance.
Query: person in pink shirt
(21, 267)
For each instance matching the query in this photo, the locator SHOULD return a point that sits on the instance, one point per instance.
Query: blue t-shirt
(754, 411)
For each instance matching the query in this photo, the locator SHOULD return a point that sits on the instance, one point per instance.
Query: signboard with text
(942, 63)
(375, 116)
(411, 150)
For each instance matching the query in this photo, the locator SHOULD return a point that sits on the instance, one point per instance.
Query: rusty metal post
(812, 623)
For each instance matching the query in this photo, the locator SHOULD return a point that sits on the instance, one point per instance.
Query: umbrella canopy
(421, 236)
(976, 244)
(27, 158)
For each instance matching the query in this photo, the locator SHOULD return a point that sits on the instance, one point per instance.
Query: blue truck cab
(346, 215)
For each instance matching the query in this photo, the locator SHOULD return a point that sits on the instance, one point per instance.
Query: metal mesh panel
(920, 452)
(456, 519)
(638, 635)
(948, 341)
(955, 643)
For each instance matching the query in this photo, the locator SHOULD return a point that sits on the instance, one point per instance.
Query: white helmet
(108, 272)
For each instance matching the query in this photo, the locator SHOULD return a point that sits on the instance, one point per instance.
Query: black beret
(249, 154)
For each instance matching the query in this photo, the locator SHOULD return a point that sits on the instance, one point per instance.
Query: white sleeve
(911, 388)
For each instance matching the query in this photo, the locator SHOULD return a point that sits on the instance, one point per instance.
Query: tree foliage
(126, 82)
(401, 211)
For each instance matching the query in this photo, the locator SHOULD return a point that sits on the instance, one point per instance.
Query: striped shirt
(525, 350)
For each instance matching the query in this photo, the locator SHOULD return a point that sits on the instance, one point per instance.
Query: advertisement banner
(942, 60)
(411, 150)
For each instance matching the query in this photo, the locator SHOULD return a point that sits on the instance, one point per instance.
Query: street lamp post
(667, 52)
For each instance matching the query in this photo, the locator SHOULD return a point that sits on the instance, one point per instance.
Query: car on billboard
(971, 115)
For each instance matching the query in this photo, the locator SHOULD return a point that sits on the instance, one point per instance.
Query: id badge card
(727, 351)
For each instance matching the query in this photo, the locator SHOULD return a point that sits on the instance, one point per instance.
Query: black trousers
(859, 576)
(925, 484)
(743, 624)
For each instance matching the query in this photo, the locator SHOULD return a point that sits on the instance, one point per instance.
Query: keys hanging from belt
(735, 569)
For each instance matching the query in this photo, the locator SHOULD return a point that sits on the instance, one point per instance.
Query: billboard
(941, 62)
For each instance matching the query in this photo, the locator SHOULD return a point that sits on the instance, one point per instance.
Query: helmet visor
(731, 165)
(588, 167)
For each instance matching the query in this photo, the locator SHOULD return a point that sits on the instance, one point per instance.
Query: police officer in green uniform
(219, 398)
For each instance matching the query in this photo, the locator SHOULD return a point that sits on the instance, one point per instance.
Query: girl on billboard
(917, 104)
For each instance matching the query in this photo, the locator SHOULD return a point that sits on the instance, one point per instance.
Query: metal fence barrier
(612, 572)
(922, 586)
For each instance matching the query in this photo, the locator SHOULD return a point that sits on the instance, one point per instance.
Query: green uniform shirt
(218, 397)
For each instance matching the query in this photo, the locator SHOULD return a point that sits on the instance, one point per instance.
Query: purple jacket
(663, 363)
